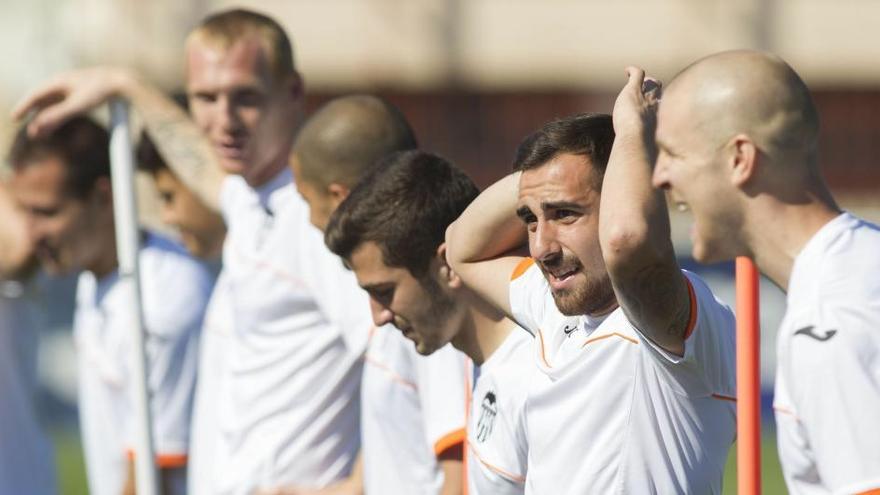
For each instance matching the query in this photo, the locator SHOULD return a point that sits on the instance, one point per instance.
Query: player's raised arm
(185, 148)
(479, 242)
(634, 223)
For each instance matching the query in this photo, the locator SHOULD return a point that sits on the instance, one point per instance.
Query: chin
(233, 167)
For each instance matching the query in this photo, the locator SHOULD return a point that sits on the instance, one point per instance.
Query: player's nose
(381, 314)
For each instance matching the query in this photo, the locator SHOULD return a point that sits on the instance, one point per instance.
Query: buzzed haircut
(404, 206)
(346, 137)
(586, 134)
(82, 146)
(223, 29)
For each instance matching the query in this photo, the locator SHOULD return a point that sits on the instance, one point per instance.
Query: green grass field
(72, 477)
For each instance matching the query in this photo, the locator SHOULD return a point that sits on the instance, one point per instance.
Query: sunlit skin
(320, 200)
(248, 116)
(425, 312)
(201, 230)
(69, 234)
(691, 167)
(559, 204)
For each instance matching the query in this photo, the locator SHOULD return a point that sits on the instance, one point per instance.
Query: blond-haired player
(300, 323)
(636, 357)
(737, 133)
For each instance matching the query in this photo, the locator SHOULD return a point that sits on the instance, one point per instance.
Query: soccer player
(390, 231)
(202, 232)
(300, 322)
(25, 453)
(412, 407)
(737, 134)
(62, 181)
(636, 357)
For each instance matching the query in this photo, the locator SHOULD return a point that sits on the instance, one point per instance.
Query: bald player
(737, 136)
(300, 324)
(412, 407)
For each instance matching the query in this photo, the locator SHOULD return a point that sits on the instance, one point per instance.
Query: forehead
(211, 66)
(369, 266)
(674, 112)
(566, 177)
(42, 180)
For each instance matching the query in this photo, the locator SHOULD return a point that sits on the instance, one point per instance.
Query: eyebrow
(523, 211)
(560, 205)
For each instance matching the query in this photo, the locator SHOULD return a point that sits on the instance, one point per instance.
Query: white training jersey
(827, 398)
(208, 450)
(174, 290)
(611, 412)
(25, 453)
(299, 332)
(497, 446)
(413, 411)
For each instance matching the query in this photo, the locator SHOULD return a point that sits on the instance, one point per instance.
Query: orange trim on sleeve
(449, 441)
(497, 470)
(612, 334)
(521, 268)
(873, 491)
(164, 460)
(692, 321)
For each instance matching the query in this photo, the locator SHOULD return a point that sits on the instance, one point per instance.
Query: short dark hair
(404, 205)
(82, 145)
(587, 134)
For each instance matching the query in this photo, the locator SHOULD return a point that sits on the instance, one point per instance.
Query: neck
(776, 233)
(267, 173)
(105, 261)
(484, 329)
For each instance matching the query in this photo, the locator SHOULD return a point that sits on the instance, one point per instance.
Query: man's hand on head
(69, 94)
(635, 110)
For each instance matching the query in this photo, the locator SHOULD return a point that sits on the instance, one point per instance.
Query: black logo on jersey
(569, 329)
(488, 411)
(808, 331)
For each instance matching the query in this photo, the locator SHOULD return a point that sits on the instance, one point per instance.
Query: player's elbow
(453, 247)
(623, 243)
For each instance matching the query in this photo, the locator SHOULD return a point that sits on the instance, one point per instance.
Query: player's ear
(337, 193)
(743, 160)
(447, 274)
(102, 192)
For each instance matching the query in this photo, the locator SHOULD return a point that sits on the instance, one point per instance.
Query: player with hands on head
(636, 357)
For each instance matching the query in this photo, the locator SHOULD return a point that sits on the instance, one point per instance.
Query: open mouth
(561, 278)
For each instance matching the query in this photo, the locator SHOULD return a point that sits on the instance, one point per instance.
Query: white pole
(127, 247)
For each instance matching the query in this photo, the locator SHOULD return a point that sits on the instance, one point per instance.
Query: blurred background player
(390, 231)
(202, 232)
(412, 407)
(25, 453)
(737, 136)
(636, 358)
(62, 181)
(300, 322)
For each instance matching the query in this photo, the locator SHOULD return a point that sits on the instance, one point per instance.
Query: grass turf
(72, 476)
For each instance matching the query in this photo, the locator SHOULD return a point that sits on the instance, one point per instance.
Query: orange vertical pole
(748, 380)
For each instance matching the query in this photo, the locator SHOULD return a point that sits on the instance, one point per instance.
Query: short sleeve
(834, 381)
(529, 293)
(442, 392)
(708, 366)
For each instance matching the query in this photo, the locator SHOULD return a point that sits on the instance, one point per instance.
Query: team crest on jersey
(488, 411)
